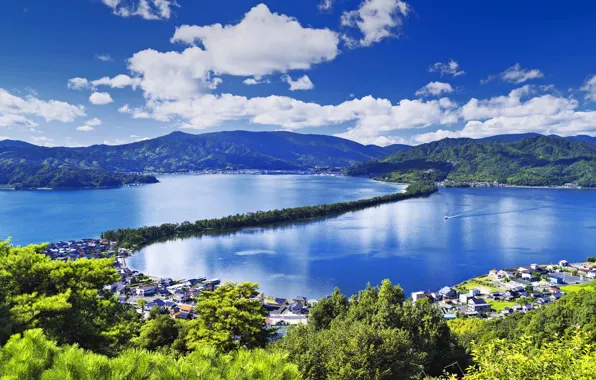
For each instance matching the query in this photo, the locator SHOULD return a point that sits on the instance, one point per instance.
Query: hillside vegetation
(179, 152)
(58, 322)
(532, 161)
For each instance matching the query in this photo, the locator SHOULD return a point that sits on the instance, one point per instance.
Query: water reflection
(408, 241)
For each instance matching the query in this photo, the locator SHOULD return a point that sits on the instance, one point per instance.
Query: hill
(531, 161)
(179, 152)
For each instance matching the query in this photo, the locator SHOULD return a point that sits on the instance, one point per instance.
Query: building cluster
(84, 248)
(520, 289)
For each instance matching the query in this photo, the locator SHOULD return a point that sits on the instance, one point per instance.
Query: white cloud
(376, 19)
(254, 81)
(42, 140)
(100, 98)
(119, 81)
(449, 68)
(435, 88)
(261, 43)
(11, 106)
(104, 57)
(147, 9)
(589, 87)
(325, 5)
(89, 124)
(302, 83)
(11, 120)
(516, 74)
(519, 112)
(78, 84)
(213, 83)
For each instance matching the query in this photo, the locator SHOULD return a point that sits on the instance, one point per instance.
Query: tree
(158, 333)
(66, 299)
(378, 336)
(592, 259)
(327, 309)
(142, 303)
(229, 318)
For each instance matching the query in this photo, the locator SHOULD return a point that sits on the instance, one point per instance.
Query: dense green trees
(374, 336)
(533, 161)
(230, 317)
(32, 356)
(32, 176)
(65, 299)
(130, 237)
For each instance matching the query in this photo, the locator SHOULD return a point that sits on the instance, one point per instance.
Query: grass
(483, 283)
(590, 286)
(500, 305)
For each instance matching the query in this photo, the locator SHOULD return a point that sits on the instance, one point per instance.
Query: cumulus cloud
(435, 89)
(89, 125)
(325, 5)
(119, 81)
(147, 9)
(516, 74)
(449, 68)
(12, 109)
(100, 98)
(261, 43)
(42, 140)
(302, 83)
(104, 57)
(521, 111)
(78, 84)
(589, 87)
(376, 20)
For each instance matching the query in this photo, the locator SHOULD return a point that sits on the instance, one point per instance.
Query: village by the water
(497, 294)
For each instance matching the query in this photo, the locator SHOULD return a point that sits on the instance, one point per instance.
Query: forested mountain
(531, 161)
(221, 150)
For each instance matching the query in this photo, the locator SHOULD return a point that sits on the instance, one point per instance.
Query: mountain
(509, 137)
(180, 151)
(531, 161)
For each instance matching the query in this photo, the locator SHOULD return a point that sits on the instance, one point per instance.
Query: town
(503, 292)
(494, 295)
(176, 297)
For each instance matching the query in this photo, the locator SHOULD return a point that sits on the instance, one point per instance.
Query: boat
(447, 217)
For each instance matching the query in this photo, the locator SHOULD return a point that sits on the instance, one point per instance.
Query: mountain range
(181, 152)
(524, 160)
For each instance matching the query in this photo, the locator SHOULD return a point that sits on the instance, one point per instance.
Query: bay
(408, 242)
(43, 216)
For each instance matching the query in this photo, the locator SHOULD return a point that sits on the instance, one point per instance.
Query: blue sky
(375, 71)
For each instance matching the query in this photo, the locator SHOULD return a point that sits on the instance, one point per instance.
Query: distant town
(495, 295)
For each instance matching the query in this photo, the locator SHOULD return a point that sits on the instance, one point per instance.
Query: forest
(532, 161)
(58, 322)
(135, 237)
(23, 176)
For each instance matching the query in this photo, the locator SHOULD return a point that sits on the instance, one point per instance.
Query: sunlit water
(42, 216)
(408, 242)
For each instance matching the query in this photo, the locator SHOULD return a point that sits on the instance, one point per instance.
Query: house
(300, 300)
(447, 292)
(527, 308)
(297, 308)
(474, 292)
(478, 305)
(464, 298)
(542, 300)
(179, 295)
(145, 290)
(556, 296)
(591, 274)
(555, 280)
(554, 289)
(528, 276)
(563, 263)
(506, 311)
(517, 288)
(418, 296)
(182, 315)
(505, 273)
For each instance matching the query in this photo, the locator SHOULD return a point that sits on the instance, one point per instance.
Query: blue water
(43, 216)
(408, 242)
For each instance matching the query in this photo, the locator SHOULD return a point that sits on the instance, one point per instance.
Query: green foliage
(181, 152)
(161, 333)
(32, 356)
(377, 335)
(560, 358)
(230, 318)
(65, 299)
(130, 237)
(33, 176)
(533, 161)
(592, 259)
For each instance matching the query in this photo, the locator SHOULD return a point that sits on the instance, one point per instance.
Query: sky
(83, 72)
